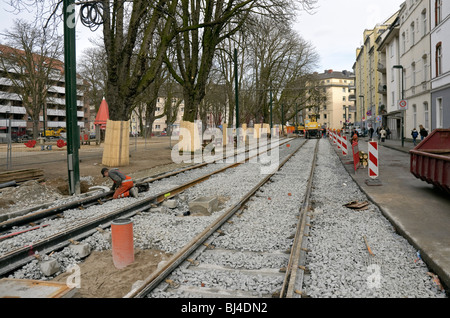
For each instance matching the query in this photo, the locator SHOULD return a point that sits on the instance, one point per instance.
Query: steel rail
(293, 269)
(19, 257)
(98, 198)
(177, 259)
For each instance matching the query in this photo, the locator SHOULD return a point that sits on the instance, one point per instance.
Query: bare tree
(92, 69)
(218, 20)
(31, 62)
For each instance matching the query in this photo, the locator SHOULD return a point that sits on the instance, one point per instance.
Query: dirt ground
(147, 158)
(99, 277)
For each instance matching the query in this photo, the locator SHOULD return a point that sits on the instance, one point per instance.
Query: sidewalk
(419, 213)
(394, 144)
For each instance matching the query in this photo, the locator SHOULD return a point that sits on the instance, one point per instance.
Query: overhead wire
(91, 14)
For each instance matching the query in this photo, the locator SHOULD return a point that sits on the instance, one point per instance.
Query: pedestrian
(423, 132)
(378, 133)
(388, 132)
(123, 185)
(414, 135)
(355, 137)
(371, 132)
(383, 134)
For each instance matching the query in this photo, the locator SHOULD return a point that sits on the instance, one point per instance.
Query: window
(426, 115)
(439, 113)
(424, 22)
(414, 115)
(438, 11)
(439, 59)
(425, 67)
(403, 42)
(413, 74)
(413, 34)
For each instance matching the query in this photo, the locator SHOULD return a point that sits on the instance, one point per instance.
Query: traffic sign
(403, 104)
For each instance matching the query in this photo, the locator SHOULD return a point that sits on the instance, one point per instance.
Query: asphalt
(418, 212)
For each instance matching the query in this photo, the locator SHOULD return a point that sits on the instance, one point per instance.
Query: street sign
(403, 105)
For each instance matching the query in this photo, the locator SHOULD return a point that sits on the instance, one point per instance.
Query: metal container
(430, 160)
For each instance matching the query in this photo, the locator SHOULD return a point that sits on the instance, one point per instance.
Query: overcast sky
(335, 30)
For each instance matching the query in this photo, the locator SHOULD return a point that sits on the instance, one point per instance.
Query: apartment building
(369, 86)
(414, 67)
(160, 125)
(53, 114)
(440, 63)
(390, 78)
(415, 62)
(339, 108)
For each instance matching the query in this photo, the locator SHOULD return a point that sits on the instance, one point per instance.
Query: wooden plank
(21, 175)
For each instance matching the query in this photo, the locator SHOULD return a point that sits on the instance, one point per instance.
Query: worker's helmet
(103, 171)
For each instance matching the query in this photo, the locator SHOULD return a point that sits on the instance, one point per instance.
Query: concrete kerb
(443, 275)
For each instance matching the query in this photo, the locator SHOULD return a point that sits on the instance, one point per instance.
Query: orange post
(122, 242)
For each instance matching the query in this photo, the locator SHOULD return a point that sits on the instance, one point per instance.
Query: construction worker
(123, 185)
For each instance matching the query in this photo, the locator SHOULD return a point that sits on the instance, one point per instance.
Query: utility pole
(236, 88)
(73, 133)
(271, 118)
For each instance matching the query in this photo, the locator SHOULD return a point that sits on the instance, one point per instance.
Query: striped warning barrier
(373, 159)
(344, 146)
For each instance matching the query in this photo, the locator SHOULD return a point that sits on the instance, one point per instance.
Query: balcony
(381, 68)
(382, 89)
(56, 112)
(14, 123)
(352, 98)
(13, 110)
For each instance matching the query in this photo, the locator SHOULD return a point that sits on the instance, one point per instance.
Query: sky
(335, 29)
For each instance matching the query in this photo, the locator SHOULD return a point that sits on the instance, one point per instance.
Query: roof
(102, 114)
(328, 74)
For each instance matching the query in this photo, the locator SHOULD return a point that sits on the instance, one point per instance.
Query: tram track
(34, 215)
(166, 281)
(17, 257)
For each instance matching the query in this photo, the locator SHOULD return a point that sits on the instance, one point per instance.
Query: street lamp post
(403, 97)
(73, 132)
(362, 109)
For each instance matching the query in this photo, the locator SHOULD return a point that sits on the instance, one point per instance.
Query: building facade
(413, 66)
(415, 63)
(339, 108)
(370, 90)
(53, 113)
(440, 63)
(390, 78)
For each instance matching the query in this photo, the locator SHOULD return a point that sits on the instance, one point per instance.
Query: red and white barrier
(373, 159)
(344, 146)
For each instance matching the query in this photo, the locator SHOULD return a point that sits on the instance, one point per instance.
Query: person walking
(414, 135)
(371, 132)
(423, 132)
(123, 185)
(383, 134)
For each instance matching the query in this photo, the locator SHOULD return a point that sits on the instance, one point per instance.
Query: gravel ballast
(339, 262)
